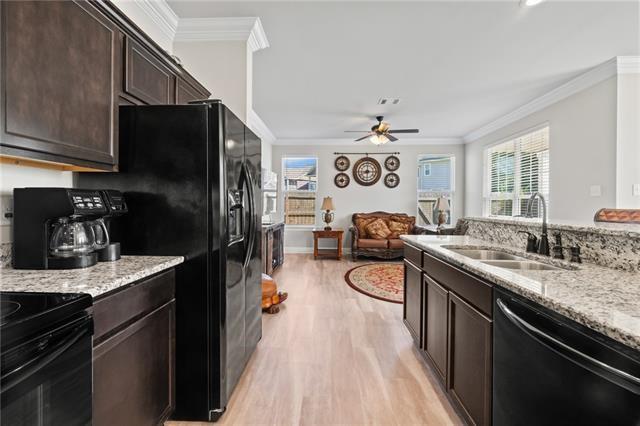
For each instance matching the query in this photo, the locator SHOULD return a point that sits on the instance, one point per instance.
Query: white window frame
(435, 194)
(516, 196)
(285, 192)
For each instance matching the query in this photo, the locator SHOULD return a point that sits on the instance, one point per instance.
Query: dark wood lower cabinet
(134, 354)
(436, 331)
(446, 311)
(413, 300)
(469, 369)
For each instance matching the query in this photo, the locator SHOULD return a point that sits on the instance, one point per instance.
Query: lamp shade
(442, 204)
(327, 204)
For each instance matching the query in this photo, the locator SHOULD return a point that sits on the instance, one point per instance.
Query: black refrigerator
(191, 177)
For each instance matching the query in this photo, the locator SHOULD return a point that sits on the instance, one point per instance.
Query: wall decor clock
(342, 180)
(342, 163)
(392, 163)
(391, 180)
(367, 171)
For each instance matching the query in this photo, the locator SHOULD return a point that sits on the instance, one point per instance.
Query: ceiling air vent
(385, 101)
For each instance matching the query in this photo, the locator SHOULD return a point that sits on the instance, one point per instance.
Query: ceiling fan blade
(363, 138)
(404, 131)
(390, 137)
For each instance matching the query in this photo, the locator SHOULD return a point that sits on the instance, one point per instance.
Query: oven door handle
(31, 367)
(572, 354)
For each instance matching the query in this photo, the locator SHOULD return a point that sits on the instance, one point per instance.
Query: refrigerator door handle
(251, 224)
(572, 354)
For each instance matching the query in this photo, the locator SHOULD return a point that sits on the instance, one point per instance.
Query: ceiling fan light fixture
(378, 139)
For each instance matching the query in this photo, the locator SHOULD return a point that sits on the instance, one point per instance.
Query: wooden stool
(271, 298)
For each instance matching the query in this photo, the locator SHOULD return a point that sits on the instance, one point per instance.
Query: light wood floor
(334, 356)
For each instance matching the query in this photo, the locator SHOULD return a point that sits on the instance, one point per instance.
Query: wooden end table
(335, 234)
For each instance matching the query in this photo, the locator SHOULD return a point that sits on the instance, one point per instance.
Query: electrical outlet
(6, 209)
(595, 190)
(635, 191)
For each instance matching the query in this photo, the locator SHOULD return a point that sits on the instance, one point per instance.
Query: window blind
(516, 169)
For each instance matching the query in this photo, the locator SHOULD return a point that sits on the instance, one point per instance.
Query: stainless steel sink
(480, 254)
(524, 265)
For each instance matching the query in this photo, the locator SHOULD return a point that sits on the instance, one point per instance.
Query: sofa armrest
(354, 237)
(421, 230)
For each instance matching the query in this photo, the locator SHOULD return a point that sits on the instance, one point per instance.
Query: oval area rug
(384, 281)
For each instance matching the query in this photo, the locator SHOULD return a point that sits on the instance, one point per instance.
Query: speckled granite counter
(606, 300)
(95, 280)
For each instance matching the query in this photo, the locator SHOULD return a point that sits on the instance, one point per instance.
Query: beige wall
(628, 141)
(356, 198)
(582, 135)
(223, 67)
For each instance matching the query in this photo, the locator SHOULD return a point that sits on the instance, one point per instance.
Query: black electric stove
(45, 362)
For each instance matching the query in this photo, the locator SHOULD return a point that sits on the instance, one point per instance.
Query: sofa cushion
(362, 222)
(398, 228)
(396, 244)
(378, 230)
(402, 218)
(371, 243)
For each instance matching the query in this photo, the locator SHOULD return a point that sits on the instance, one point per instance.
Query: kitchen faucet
(543, 245)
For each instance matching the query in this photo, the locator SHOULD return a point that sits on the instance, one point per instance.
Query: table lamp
(327, 217)
(442, 205)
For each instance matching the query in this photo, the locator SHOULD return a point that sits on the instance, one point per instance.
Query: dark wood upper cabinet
(413, 300)
(186, 92)
(61, 72)
(469, 364)
(146, 77)
(435, 325)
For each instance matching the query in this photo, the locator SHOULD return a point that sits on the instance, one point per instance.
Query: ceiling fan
(381, 133)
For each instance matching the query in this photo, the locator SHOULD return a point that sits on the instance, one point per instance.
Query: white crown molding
(350, 143)
(259, 127)
(160, 13)
(628, 64)
(610, 68)
(247, 29)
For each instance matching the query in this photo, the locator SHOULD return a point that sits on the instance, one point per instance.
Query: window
(435, 180)
(300, 183)
(516, 169)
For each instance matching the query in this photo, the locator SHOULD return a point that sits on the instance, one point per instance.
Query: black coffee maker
(58, 228)
(116, 206)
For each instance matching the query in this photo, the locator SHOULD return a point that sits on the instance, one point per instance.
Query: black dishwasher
(549, 370)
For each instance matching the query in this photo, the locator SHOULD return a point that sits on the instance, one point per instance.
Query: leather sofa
(370, 238)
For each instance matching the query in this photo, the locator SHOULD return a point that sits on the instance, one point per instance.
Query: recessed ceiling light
(384, 101)
(530, 2)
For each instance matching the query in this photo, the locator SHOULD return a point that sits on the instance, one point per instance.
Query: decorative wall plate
(342, 163)
(391, 180)
(367, 171)
(392, 163)
(342, 180)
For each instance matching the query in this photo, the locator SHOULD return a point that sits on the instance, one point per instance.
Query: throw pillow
(398, 228)
(378, 230)
(361, 224)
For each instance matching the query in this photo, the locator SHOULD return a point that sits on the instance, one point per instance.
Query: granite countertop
(603, 299)
(96, 280)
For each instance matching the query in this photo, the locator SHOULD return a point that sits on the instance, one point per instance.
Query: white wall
(628, 153)
(223, 67)
(356, 198)
(13, 176)
(582, 138)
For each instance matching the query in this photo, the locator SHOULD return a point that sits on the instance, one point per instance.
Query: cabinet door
(133, 372)
(61, 71)
(146, 77)
(413, 300)
(186, 93)
(469, 365)
(435, 325)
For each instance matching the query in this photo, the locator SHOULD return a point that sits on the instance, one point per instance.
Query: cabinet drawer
(413, 254)
(134, 372)
(470, 288)
(146, 77)
(120, 308)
